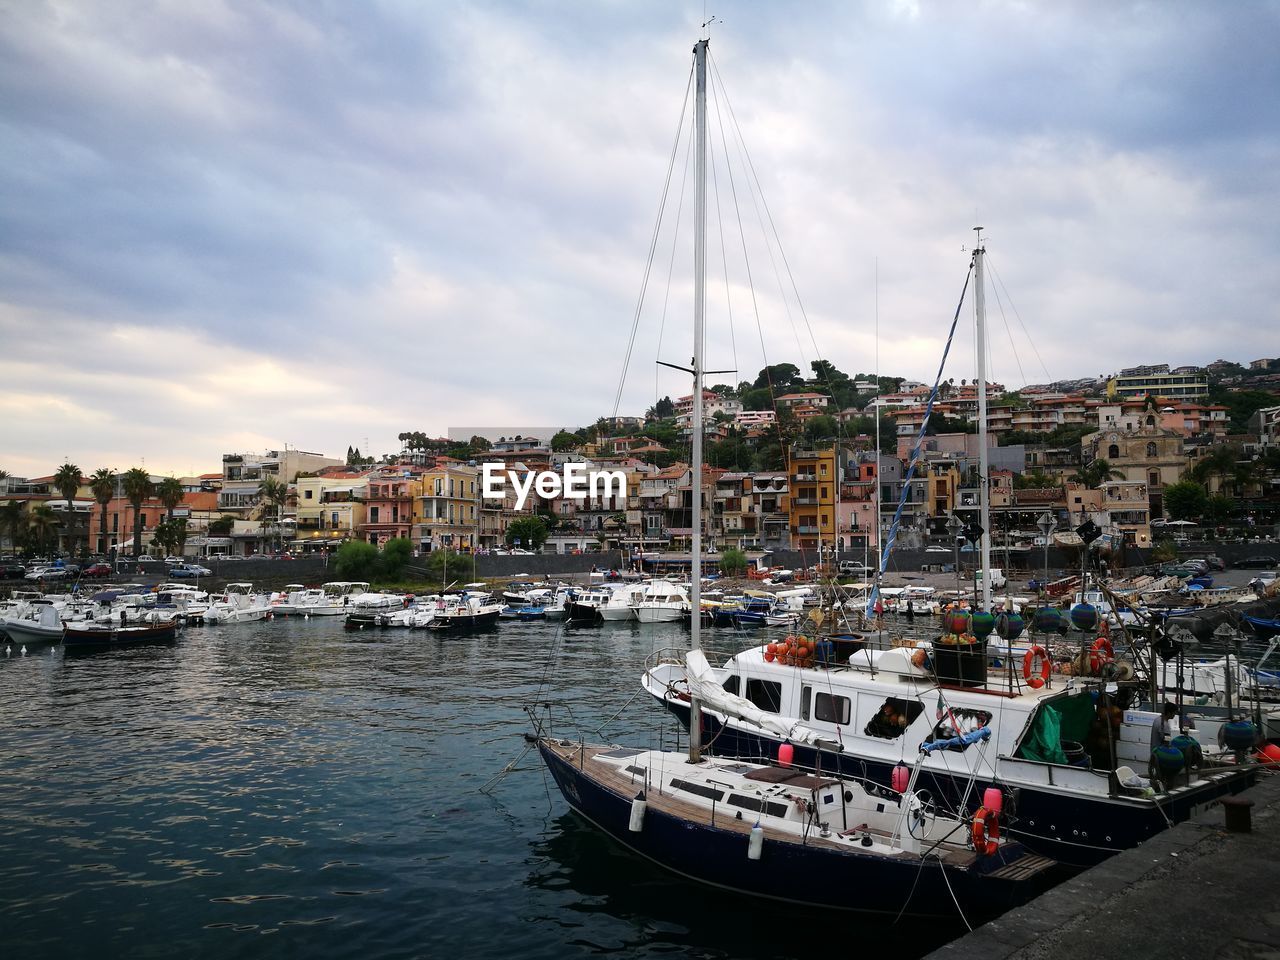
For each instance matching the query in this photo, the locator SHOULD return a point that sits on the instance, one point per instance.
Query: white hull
(616, 613)
(659, 614)
(28, 631)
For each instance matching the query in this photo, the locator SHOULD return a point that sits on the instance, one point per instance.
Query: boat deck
(626, 785)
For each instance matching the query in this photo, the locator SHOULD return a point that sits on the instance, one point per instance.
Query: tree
(439, 563)
(1185, 500)
(137, 486)
(1096, 474)
(103, 485)
(530, 531)
(41, 522)
(13, 520)
(356, 560)
(1035, 480)
(664, 409)
(67, 482)
(780, 376)
(396, 554)
(169, 492)
(1219, 508)
(733, 562)
(271, 494)
(821, 428)
(479, 444)
(222, 526)
(564, 441)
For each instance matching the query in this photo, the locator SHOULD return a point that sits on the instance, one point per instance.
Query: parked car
(1259, 562)
(854, 568)
(998, 579)
(47, 573)
(97, 570)
(189, 570)
(12, 570)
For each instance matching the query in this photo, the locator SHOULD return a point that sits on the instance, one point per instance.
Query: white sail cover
(704, 686)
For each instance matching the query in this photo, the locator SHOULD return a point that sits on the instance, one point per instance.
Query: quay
(1196, 891)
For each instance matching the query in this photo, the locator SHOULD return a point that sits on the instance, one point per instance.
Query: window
(955, 722)
(765, 694)
(731, 684)
(115, 523)
(831, 708)
(1113, 452)
(333, 518)
(893, 718)
(307, 494)
(1151, 421)
(373, 514)
(1153, 478)
(1152, 451)
(144, 519)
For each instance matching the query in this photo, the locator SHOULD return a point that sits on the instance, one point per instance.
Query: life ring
(1035, 682)
(986, 831)
(1101, 654)
(1105, 628)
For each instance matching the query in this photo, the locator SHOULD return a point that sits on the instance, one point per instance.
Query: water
(290, 788)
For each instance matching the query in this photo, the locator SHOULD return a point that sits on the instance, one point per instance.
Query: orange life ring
(986, 831)
(1035, 682)
(1101, 654)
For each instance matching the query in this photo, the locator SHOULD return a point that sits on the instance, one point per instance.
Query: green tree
(396, 554)
(169, 492)
(103, 485)
(733, 562)
(821, 428)
(1185, 500)
(1164, 551)
(564, 441)
(782, 377)
(13, 520)
(271, 497)
(664, 409)
(1035, 480)
(1219, 508)
(442, 565)
(137, 486)
(221, 526)
(41, 524)
(1096, 474)
(530, 531)
(67, 481)
(356, 560)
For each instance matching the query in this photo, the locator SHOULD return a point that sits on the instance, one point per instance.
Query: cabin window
(731, 685)
(765, 694)
(954, 722)
(831, 708)
(892, 718)
(806, 695)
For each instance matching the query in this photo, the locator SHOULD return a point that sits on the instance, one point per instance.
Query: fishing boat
(1072, 756)
(121, 634)
(772, 830)
(465, 611)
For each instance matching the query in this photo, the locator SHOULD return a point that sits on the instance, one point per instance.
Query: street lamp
(1047, 525)
(954, 526)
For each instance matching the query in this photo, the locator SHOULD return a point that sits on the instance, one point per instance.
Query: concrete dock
(1195, 891)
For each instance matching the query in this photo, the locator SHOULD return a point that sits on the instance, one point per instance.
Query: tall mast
(699, 322)
(984, 479)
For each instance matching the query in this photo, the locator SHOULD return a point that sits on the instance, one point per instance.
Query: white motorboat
(660, 601)
(239, 604)
(42, 623)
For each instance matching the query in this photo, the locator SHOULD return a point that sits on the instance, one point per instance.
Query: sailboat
(775, 829)
(968, 734)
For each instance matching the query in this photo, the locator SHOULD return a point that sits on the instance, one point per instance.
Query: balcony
(804, 530)
(805, 477)
(805, 501)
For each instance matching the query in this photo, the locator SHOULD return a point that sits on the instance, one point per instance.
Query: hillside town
(792, 463)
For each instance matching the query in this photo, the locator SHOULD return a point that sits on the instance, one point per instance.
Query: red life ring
(1105, 628)
(1101, 654)
(986, 831)
(1035, 682)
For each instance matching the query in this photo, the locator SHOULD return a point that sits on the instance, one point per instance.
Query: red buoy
(993, 800)
(900, 778)
(786, 753)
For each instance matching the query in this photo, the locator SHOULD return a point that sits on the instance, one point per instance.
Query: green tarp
(1043, 741)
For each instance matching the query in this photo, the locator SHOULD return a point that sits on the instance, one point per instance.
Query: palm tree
(137, 486)
(13, 519)
(1096, 474)
(170, 493)
(103, 485)
(67, 481)
(271, 492)
(41, 522)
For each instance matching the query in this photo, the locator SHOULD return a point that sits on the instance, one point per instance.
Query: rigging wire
(671, 263)
(1014, 308)
(653, 242)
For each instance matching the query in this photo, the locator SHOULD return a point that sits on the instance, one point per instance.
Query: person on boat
(1163, 727)
(911, 611)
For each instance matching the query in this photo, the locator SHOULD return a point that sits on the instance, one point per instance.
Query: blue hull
(816, 876)
(1073, 830)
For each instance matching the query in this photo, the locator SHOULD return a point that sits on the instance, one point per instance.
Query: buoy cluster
(792, 651)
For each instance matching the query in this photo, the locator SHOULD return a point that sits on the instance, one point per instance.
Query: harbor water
(294, 788)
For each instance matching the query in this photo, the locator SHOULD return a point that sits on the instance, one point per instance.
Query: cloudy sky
(237, 225)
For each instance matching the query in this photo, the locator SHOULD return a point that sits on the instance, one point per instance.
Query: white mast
(984, 478)
(699, 320)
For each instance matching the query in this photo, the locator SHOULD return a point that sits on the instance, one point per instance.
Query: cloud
(243, 224)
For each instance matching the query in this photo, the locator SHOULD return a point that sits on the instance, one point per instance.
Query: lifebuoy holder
(986, 831)
(1036, 680)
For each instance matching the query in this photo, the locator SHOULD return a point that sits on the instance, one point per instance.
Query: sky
(236, 226)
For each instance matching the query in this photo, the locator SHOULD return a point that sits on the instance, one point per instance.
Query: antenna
(708, 23)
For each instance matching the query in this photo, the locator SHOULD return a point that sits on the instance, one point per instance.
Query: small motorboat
(122, 634)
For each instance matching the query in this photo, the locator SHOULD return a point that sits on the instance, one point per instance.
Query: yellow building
(330, 508)
(446, 504)
(813, 479)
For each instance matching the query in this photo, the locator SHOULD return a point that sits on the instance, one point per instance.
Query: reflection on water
(293, 786)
